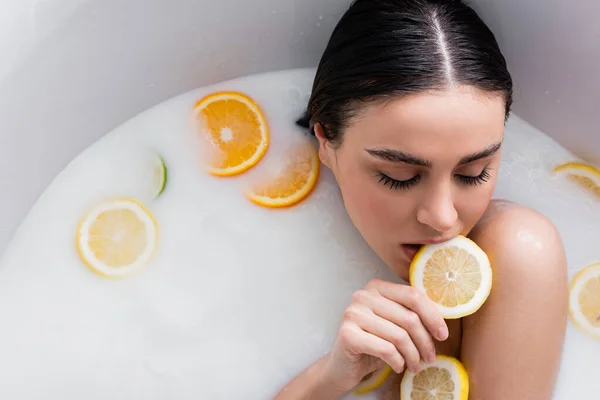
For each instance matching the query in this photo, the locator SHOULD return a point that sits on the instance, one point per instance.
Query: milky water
(239, 298)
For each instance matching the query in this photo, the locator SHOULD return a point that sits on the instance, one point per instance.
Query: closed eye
(396, 184)
(480, 179)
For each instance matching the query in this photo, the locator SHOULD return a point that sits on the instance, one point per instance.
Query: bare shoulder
(520, 329)
(525, 250)
(516, 233)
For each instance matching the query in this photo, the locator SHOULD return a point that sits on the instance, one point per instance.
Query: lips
(410, 250)
(434, 241)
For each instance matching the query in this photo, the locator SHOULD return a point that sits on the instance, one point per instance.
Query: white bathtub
(71, 70)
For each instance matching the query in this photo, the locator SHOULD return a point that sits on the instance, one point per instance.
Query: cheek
(371, 206)
(356, 192)
(475, 203)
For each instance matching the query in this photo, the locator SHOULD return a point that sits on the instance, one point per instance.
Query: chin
(400, 266)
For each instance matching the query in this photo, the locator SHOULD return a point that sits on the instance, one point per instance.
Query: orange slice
(293, 183)
(236, 129)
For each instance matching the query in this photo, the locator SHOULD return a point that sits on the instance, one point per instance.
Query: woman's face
(418, 169)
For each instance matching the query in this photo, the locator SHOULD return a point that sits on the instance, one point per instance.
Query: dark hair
(385, 48)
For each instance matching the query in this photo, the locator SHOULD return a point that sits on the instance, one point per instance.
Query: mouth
(411, 249)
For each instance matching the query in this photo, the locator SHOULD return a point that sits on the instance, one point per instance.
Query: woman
(408, 106)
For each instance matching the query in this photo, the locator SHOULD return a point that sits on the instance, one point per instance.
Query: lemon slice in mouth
(455, 274)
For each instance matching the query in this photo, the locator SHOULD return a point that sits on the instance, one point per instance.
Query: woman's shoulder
(517, 232)
(525, 315)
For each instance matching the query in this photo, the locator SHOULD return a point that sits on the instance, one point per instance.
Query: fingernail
(443, 333)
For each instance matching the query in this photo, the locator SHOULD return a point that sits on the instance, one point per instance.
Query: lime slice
(160, 176)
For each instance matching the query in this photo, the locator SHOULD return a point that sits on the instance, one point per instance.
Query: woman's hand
(385, 323)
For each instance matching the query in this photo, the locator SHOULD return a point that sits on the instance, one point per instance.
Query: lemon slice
(455, 274)
(586, 175)
(117, 237)
(444, 379)
(373, 380)
(584, 300)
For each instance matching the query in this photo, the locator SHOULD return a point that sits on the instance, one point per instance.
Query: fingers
(392, 333)
(363, 342)
(410, 322)
(416, 301)
(395, 323)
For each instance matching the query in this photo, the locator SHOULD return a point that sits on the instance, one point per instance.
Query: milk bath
(238, 298)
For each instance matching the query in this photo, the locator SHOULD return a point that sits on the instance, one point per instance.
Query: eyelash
(395, 184)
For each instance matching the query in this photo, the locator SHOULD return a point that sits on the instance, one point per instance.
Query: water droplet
(558, 101)
(320, 17)
(547, 92)
(273, 12)
(301, 33)
(319, 24)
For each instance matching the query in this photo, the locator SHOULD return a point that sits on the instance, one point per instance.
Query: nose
(437, 210)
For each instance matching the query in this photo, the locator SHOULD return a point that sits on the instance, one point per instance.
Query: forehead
(431, 124)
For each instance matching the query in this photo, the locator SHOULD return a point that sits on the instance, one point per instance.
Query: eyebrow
(402, 157)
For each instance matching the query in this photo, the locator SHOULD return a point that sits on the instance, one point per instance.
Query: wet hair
(385, 48)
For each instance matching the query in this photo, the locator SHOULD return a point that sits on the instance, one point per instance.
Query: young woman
(408, 106)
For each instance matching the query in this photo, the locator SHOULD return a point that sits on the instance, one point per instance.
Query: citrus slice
(444, 379)
(586, 175)
(373, 380)
(160, 176)
(117, 237)
(584, 300)
(236, 129)
(455, 274)
(292, 183)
